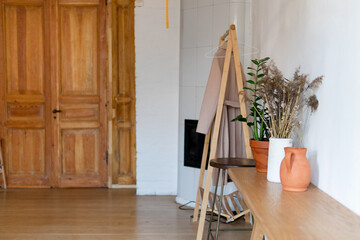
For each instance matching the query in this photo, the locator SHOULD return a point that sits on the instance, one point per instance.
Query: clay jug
(295, 171)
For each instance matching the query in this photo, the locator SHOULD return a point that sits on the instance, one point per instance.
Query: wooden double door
(53, 62)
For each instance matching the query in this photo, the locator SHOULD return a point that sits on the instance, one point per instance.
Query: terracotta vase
(295, 170)
(260, 151)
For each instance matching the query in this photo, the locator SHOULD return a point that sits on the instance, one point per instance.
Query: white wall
(157, 96)
(323, 37)
(202, 24)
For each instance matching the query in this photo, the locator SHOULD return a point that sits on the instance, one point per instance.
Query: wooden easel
(232, 48)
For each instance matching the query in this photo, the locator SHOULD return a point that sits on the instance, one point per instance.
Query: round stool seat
(225, 163)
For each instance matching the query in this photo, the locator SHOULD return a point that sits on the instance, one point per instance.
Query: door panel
(25, 80)
(24, 35)
(123, 92)
(81, 94)
(82, 155)
(79, 50)
(28, 159)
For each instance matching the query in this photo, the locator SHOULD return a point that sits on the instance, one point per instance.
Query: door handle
(56, 111)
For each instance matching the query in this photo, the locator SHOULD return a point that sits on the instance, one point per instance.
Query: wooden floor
(79, 214)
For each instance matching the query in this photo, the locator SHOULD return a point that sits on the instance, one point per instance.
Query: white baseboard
(122, 186)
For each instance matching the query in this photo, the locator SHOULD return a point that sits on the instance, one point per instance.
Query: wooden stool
(224, 164)
(2, 169)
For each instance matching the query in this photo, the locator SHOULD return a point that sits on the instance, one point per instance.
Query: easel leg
(201, 177)
(213, 204)
(204, 204)
(197, 205)
(240, 85)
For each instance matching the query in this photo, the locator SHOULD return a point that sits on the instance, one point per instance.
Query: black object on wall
(194, 145)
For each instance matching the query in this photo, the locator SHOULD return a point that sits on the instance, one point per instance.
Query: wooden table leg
(257, 232)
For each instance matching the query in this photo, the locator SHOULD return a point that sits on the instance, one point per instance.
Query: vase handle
(289, 158)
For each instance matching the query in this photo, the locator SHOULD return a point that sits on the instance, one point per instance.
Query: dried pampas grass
(287, 98)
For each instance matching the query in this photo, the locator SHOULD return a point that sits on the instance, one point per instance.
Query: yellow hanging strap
(167, 13)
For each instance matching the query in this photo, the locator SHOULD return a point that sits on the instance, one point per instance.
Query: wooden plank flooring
(94, 214)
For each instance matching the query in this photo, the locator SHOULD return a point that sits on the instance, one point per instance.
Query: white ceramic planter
(276, 155)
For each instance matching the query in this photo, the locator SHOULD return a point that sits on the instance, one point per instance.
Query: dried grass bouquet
(287, 98)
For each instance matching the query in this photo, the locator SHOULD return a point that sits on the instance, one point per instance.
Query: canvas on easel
(231, 49)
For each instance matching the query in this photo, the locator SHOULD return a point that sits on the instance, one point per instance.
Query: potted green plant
(285, 99)
(258, 118)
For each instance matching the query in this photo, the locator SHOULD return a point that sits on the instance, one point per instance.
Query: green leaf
(255, 127)
(252, 131)
(250, 81)
(239, 118)
(264, 59)
(260, 75)
(259, 82)
(251, 74)
(262, 127)
(261, 130)
(250, 89)
(255, 62)
(251, 68)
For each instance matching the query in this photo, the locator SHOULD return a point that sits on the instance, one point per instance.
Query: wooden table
(288, 215)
